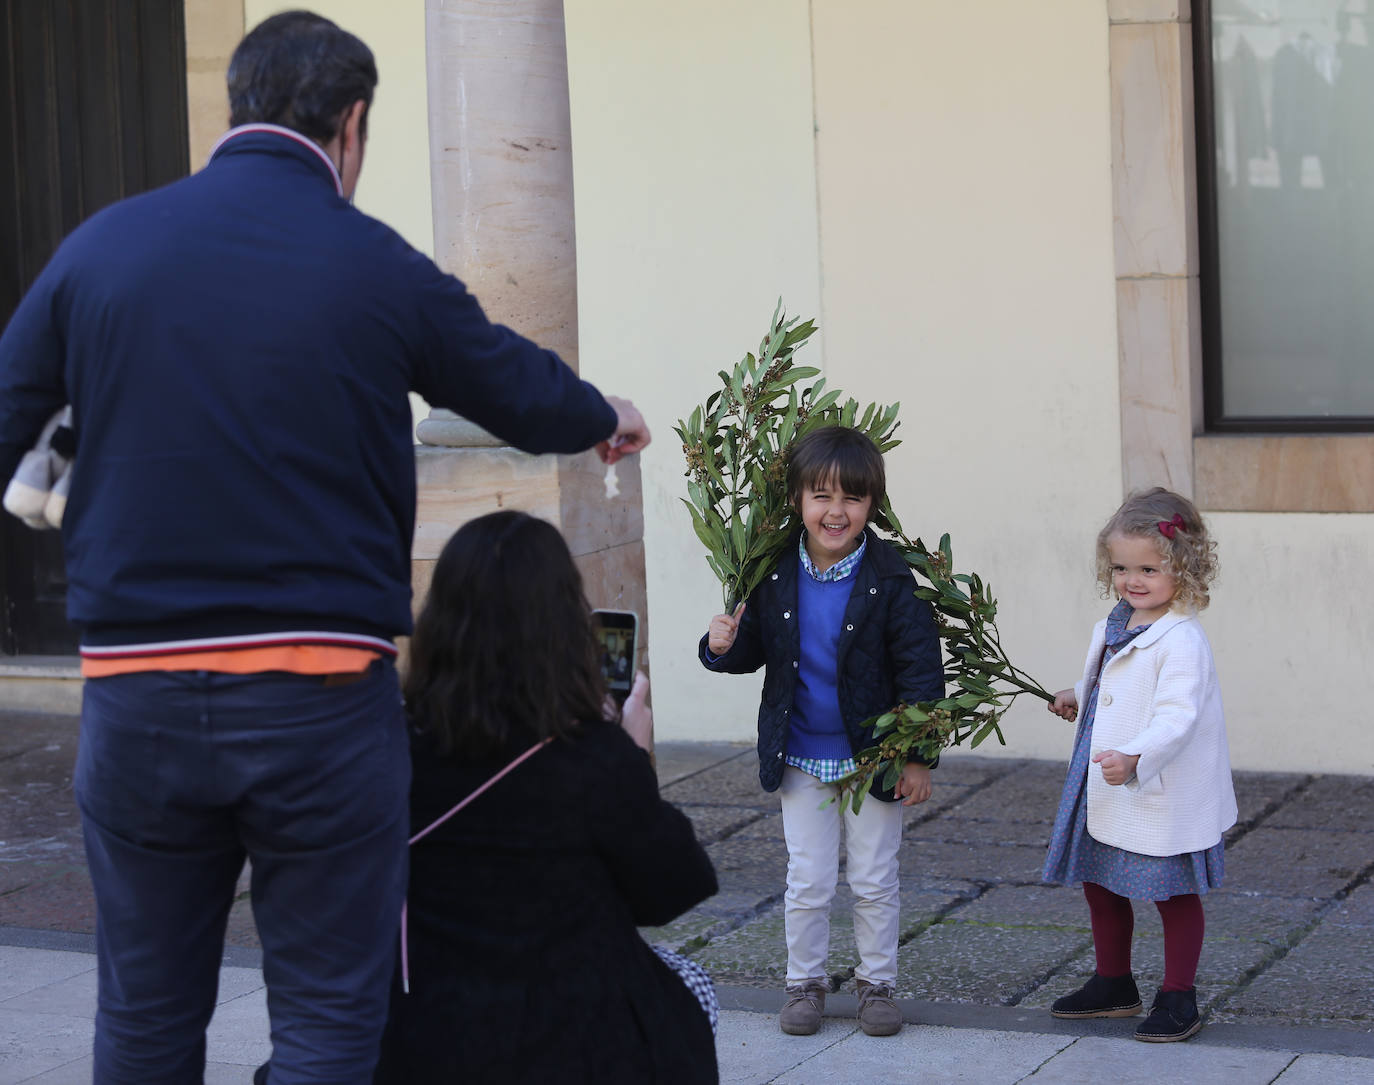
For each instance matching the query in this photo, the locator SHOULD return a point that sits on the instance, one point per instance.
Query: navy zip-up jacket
(237, 348)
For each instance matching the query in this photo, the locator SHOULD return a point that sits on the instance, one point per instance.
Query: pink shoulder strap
(405, 950)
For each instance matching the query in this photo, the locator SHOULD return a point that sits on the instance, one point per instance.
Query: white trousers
(813, 867)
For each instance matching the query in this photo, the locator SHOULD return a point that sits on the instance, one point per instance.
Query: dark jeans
(179, 776)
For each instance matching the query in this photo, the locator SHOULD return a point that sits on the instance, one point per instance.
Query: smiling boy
(843, 638)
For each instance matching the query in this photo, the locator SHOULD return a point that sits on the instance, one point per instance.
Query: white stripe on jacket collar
(289, 133)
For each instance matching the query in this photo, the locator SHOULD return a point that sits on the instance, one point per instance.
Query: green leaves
(736, 445)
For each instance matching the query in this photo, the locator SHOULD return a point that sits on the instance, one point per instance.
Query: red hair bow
(1168, 527)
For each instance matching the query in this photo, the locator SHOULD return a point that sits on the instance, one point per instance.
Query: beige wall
(964, 224)
(964, 173)
(956, 198)
(395, 178)
(693, 166)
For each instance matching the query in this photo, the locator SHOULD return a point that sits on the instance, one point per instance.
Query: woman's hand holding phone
(636, 717)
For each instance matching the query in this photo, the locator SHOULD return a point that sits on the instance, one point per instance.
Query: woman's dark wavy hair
(503, 649)
(300, 71)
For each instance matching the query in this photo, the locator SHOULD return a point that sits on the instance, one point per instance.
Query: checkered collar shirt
(840, 570)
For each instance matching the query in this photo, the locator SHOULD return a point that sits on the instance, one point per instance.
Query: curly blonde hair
(1186, 550)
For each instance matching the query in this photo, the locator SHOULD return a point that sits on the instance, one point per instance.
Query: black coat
(525, 964)
(889, 651)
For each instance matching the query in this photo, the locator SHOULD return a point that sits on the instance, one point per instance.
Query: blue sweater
(237, 348)
(817, 731)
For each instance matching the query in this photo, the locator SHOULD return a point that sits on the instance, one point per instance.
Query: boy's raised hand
(1065, 705)
(720, 636)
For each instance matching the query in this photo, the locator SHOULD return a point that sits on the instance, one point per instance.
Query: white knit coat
(1159, 698)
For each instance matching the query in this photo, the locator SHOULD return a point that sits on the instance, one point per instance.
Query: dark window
(92, 109)
(1285, 116)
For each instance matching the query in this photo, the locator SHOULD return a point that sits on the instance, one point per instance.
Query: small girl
(1148, 793)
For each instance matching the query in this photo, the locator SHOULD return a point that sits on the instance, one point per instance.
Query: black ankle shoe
(1101, 996)
(1173, 1016)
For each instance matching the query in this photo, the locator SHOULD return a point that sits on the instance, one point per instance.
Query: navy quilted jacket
(889, 651)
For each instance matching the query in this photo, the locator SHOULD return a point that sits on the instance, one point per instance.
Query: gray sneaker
(878, 1014)
(801, 1014)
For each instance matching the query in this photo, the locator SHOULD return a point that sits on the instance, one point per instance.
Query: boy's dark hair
(300, 71)
(837, 454)
(503, 650)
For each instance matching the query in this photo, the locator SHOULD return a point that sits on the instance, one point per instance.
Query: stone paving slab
(945, 1055)
(1297, 862)
(1275, 920)
(61, 903)
(921, 859)
(674, 761)
(973, 770)
(955, 829)
(1034, 906)
(731, 783)
(1129, 1062)
(767, 827)
(1028, 792)
(22, 870)
(1356, 910)
(713, 823)
(1319, 1069)
(1327, 977)
(684, 934)
(750, 1051)
(1327, 803)
(1258, 792)
(969, 962)
(32, 1044)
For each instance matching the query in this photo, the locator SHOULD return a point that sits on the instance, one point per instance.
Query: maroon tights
(1114, 922)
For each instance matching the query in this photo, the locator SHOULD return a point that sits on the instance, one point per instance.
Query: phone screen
(617, 644)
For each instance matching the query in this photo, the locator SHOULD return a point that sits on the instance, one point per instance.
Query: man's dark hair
(302, 72)
(504, 651)
(837, 454)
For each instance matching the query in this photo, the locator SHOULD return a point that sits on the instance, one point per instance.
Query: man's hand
(913, 785)
(721, 633)
(1065, 705)
(1117, 768)
(631, 432)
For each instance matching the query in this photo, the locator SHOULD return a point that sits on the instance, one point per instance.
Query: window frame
(1214, 419)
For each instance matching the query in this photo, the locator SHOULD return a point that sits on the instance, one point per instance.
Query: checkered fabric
(841, 569)
(697, 979)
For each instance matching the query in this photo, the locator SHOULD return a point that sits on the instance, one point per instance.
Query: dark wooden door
(92, 109)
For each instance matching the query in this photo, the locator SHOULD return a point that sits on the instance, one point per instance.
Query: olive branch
(736, 446)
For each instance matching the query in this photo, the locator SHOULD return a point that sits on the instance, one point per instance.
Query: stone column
(1155, 196)
(213, 31)
(501, 171)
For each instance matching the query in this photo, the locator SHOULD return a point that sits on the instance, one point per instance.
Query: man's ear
(352, 137)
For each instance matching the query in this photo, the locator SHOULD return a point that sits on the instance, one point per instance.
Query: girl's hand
(1117, 768)
(913, 785)
(636, 717)
(723, 629)
(1065, 705)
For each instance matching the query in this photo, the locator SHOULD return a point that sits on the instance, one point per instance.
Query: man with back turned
(237, 349)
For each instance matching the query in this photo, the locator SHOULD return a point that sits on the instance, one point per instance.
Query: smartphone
(617, 643)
